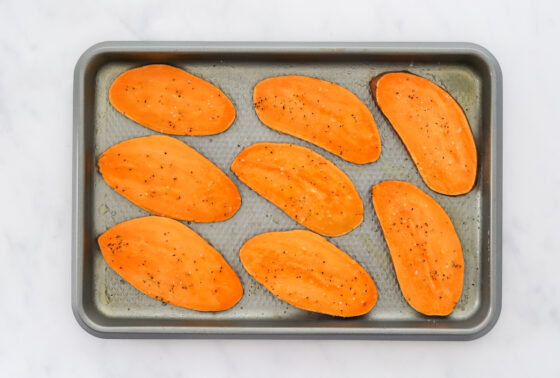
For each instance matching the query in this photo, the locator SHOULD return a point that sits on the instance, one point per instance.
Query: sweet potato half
(320, 112)
(166, 177)
(170, 100)
(425, 249)
(433, 128)
(305, 270)
(168, 261)
(306, 186)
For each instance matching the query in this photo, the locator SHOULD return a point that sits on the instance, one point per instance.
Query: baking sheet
(108, 306)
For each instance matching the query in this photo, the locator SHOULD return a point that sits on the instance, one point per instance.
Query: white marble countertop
(40, 42)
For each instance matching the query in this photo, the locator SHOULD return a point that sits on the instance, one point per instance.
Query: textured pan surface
(110, 307)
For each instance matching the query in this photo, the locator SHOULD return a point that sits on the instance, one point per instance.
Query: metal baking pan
(107, 306)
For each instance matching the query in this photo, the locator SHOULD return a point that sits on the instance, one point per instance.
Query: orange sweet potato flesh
(170, 262)
(166, 177)
(433, 127)
(172, 101)
(305, 270)
(425, 249)
(320, 112)
(306, 186)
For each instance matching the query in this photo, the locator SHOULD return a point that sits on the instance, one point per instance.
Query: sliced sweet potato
(170, 262)
(306, 186)
(165, 176)
(433, 127)
(424, 246)
(305, 270)
(320, 112)
(170, 100)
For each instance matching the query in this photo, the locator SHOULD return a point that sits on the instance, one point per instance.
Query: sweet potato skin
(170, 100)
(320, 112)
(166, 177)
(424, 246)
(433, 128)
(305, 270)
(168, 261)
(309, 188)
